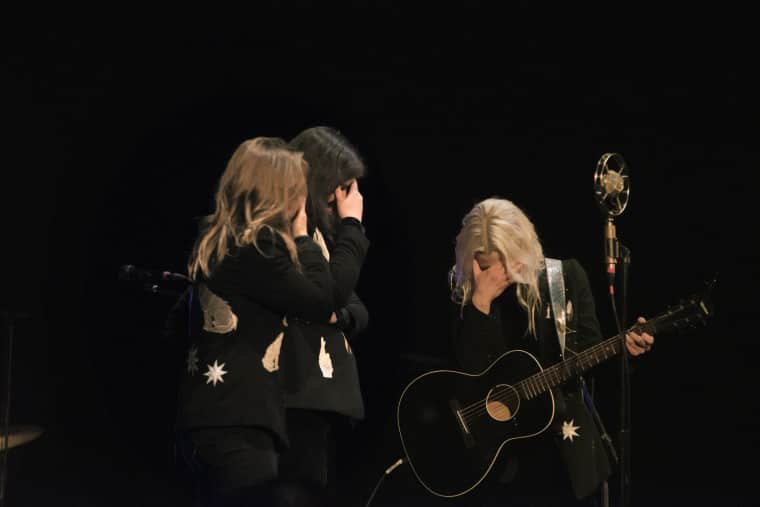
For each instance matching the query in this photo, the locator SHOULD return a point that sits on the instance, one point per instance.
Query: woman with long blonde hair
(255, 269)
(503, 303)
(262, 189)
(496, 232)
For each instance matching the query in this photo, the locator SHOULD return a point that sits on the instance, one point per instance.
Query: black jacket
(325, 375)
(236, 365)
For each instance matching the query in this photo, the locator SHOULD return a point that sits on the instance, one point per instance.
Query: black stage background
(117, 131)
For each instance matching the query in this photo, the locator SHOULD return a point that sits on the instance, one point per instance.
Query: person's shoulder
(575, 272)
(572, 264)
(269, 247)
(268, 244)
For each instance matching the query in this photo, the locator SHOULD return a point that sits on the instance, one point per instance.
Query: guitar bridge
(469, 441)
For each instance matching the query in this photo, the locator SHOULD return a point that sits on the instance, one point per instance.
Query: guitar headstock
(689, 313)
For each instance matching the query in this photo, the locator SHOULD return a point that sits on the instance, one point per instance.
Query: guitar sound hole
(502, 403)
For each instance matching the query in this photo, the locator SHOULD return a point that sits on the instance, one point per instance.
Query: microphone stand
(617, 253)
(612, 189)
(625, 386)
(8, 318)
(589, 399)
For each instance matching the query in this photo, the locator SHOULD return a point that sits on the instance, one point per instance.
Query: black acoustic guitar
(453, 425)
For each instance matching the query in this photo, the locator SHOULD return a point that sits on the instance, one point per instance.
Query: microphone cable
(382, 477)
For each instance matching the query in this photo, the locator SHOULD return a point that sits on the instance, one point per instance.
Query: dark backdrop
(116, 133)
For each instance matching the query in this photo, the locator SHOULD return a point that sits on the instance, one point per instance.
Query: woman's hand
(299, 222)
(489, 284)
(638, 344)
(350, 203)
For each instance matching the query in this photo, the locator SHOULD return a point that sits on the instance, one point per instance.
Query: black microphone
(129, 272)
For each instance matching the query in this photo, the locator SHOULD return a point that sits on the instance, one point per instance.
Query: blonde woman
(502, 302)
(254, 268)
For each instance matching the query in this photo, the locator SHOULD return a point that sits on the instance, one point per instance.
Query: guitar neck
(579, 363)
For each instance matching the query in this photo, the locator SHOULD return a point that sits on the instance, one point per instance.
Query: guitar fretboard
(572, 367)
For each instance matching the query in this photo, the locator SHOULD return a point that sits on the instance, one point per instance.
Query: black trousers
(230, 467)
(242, 466)
(308, 465)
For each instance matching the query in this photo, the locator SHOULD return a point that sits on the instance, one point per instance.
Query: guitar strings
(540, 384)
(539, 379)
(479, 408)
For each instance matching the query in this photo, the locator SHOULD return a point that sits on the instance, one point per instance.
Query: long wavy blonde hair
(260, 189)
(497, 225)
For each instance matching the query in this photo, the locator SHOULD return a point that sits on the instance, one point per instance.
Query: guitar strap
(588, 468)
(556, 282)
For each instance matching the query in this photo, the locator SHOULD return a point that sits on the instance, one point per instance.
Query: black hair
(332, 160)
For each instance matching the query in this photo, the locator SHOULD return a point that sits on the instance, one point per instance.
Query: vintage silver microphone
(612, 188)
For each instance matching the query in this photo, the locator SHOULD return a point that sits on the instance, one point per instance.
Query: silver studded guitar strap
(557, 294)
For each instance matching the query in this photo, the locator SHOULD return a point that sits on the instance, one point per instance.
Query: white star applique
(192, 360)
(568, 430)
(215, 373)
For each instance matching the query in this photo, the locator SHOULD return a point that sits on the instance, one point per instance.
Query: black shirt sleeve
(354, 317)
(346, 259)
(267, 275)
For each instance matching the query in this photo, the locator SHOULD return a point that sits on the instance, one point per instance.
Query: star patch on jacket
(215, 373)
(192, 360)
(568, 430)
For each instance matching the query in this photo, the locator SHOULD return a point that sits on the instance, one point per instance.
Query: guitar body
(454, 425)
